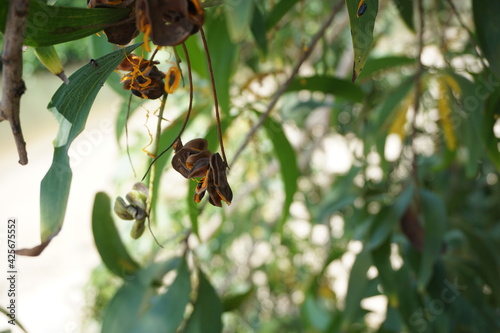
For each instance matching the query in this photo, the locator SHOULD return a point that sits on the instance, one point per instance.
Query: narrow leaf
(361, 32)
(166, 312)
(435, 226)
(70, 105)
(374, 65)
(278, 11)
(238, 17)
(288, 164)
(49, 25)
(488, 31)
(131, 300)
(405, 8)
(206, 316)
(107, 239)
(328, 85)
(258, 30)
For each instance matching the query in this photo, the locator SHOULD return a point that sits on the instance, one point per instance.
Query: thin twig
(284, 86)
(12, 81)
(214, 90)
(188, 114)
(418, 89)
(153, 168)
(472, 37)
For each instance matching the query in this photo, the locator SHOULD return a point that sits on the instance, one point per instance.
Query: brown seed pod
(169, 23)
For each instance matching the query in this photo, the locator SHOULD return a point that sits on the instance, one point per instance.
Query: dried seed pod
(219, 178)
(169, 23)
(122, 33)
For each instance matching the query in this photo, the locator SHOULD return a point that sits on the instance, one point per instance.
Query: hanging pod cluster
(167, 23)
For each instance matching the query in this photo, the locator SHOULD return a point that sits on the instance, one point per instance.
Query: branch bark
(12, 83)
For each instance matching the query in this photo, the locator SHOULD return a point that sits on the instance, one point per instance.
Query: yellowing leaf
(444, 109)
(397, 126)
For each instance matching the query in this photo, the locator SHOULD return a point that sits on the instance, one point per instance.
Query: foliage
(381, 190)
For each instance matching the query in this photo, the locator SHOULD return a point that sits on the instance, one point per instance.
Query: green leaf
(70, 105)
(107, 239)
(207, 313)
(193, 210)
(258, 30)
(328, 85)
(49, 25)
(435, 218)
(490, 141)
(133, 298)
(166, 312)
(288, 165)
(278, 11)
(356, 289)
(223, 52)
(238, 17)
(488, 31)
(387, 218)
(232, 301)
(374, 65)
(405, 8)
(362, 33)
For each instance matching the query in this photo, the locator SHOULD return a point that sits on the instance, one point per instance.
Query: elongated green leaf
(49, 25)
(405, 8)
(238, 17)
(107, 239)
(491, 142)
(328, 85)
(488, 31)
(223, 52)
(388, 218)
(434, 225)
(194, 211)
(374, 65)
(361, 32)
(259, 30)
(133, 298)
(278, 11)
(166, 312)
(288, 164)
(70, 105)
(357, 288)
(206, 316)
(233, 301)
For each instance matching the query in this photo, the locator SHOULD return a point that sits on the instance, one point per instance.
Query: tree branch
(12, 82)
(308, 51)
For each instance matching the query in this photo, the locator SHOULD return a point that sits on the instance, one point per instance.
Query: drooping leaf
(258, 30)
(357, 288)
(374, 65)
(49, 25)
(207, 313)
(435, 219)
(387, 219)
(221, 45)
(491, 114)
(328, 85)
(238, 18)
(488, 31)
(166, 311)
(70, 105)
(278, 11)
(232, 301)
(107, 239)
(405, 8)
(288, 164)
(361, 32)
(133, 298)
